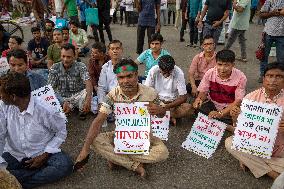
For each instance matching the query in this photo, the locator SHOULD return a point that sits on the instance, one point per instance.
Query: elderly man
(70, 80)
(271, 92)
(168, 80)
(128, 91)
(29, 142)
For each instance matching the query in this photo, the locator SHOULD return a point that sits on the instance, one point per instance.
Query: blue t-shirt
(147, 58)
(83, 5)
(147, 14)
(38, 49)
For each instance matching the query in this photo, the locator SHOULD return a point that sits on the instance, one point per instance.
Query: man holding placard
(221, 88)
(270, 94)
(128, 92)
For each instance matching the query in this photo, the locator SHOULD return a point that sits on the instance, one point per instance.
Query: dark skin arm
(273, 13)
(37, 161)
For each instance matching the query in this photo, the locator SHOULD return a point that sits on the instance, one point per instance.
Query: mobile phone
(80, 164)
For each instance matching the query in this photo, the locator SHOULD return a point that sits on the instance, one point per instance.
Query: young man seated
(30, 142)
(200, 64)
(168, 80)
(80, 37)
(71, 82)
(270, 92)
(128, 91)
(221, 88)
(18, 62)
(53, 51)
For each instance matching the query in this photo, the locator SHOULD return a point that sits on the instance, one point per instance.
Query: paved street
(183, 169)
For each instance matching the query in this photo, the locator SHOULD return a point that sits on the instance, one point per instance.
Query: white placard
(4, 65)
(204, 136)
(160, 126)
(47, 94)
(132, 132)
(257, 128)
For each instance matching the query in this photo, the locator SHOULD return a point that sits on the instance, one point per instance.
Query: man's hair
(68, 46)
(274, 65)
(35, 29)
(75, 23)
(57, 30)
(124, 62)
(50, 22)
(17, 53)
(64, 28)
(100, 46)
(226, 56)
(15, 83)
(115, 41)
(208, 37)
(156, 37)
(18, 39)
(166, 63)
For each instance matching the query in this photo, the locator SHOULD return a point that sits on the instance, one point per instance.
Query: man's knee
(62, 162)
(228, 143)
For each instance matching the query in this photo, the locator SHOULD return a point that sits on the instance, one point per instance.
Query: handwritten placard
(204, 136)
(132, 132)
(257, 128)
(47, 94)
(160, 126)
(4, 65)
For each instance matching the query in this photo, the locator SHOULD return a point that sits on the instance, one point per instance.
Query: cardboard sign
(4, 65)
(132, 132)
(204, 136)
(257, 128)
(160, 126)
(47, 94)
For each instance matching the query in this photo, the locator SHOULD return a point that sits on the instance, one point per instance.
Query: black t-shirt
(216, 9)
(39, 50)
(4, 42)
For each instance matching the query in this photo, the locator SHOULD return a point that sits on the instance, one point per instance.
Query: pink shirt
(259, 96)
(199, 66)
(223, 92)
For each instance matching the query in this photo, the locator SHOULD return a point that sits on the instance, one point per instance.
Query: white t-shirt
(168, 88)
(129, 5)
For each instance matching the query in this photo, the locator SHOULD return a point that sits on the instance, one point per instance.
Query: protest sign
(4, 65)
(132, 132)
(257, 127)
(160, 126)
(204, 136)
(47, 93)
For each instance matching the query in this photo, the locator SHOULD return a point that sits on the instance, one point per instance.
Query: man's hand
(235, 112)
(83, 155)
(66, 107)
(158, 28)
(275, 12)
(194, 91)
(155, 109)
(87, 105)
(37, 161)
(197, 103)
(215, 114)
(216, 24)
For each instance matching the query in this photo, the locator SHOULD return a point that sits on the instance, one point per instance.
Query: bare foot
(273, 174)
(243, 166)
(140, 170)
(174, 121)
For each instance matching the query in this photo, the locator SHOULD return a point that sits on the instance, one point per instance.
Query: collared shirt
(29, 133)
(107, 81)
(168, 88)
(193, 7)
(147, 14)
(259, 95)
(274, 26)
(36, 80)
(223, 92)
(68, 82)
(199, 65)
(80, 38)
(147, 58)
(240, 20)
(144, 94)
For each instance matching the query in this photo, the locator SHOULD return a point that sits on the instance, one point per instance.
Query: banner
(204, 136)
(160, 126)
(257, 128)
(47, 93)
(4, 65)
(132, 132)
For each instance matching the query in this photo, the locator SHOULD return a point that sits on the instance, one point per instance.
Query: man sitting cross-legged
(168, 80)
(128, 91)
(31, 133)
(221, 88)
(271, 92)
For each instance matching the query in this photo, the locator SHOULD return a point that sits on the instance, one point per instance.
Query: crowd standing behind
(32, 131)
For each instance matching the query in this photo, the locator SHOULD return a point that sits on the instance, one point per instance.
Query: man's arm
(266, 11)
(89, 95)
(85, 39)
(158, 13)
(219, 22)
(237, 7)
(3, 134)
(203, 13)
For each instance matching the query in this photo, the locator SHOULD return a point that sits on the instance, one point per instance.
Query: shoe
(181, 40)
(82, 115)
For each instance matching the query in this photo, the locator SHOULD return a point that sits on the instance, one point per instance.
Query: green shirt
(71, 7)
(240, 20)
(80, 38)
(54, 53)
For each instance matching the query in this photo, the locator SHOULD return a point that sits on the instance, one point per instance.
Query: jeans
(141, 35)
(233, 35)
(279, 43)
(58, 165)
(193, 34)
(122, 10)
(215, 32)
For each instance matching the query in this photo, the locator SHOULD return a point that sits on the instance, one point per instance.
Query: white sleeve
(102, 86)
(3, 132)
